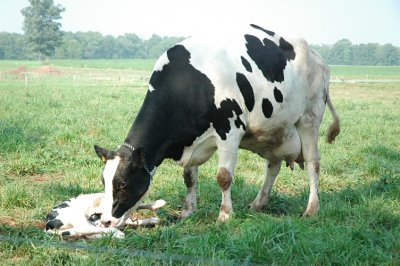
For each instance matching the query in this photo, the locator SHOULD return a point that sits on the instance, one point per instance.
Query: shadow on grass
(382, 160)
(369, 198)
(16, 136)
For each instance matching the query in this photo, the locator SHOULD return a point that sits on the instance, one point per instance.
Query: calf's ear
(101, 152)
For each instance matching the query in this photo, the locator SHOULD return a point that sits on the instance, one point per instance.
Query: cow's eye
(122, 185)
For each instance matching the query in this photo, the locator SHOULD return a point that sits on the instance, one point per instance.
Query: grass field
(370, 72)
(48, 125)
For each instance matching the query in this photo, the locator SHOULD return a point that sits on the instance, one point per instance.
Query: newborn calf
(80, 217)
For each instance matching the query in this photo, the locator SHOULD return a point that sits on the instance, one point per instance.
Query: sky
(318, 21)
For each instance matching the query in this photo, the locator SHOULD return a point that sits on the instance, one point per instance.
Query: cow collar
(129, 146)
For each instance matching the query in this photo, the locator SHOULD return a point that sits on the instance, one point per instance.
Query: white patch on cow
(161, 62)
(153, 171)
(119, 223)
(202, 148)
(151, 88)
(159, 65)
(108, 175)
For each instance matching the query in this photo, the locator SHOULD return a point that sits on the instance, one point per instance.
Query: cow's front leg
(271, 171)
(190, 175)
(227, 162)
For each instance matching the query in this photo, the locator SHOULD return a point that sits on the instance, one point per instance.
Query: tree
(12, 46)
(70, 48)
(387, 55)
(364, 54)
(129, 46)
(41, 26)
(341, 53)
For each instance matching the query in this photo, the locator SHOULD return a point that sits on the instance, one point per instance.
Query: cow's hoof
(255, 207)
(224, 217)
(312, 209)
(185, 214)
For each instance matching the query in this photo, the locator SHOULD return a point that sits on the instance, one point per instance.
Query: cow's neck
(150, 131)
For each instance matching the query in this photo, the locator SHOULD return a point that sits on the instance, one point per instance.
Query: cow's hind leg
(190, 175)
(308, 130)
(271, 171)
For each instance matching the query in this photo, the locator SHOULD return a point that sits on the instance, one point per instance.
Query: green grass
(49, 125)
(136, 64)
(361, 72)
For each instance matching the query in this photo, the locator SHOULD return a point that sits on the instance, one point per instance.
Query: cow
(254, 90)
(80, 217)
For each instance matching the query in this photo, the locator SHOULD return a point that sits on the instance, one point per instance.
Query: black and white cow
(254, 90)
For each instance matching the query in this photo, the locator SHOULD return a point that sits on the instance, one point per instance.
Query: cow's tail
(334, 128)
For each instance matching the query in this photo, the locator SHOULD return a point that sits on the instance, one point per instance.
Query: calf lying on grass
(80, 217)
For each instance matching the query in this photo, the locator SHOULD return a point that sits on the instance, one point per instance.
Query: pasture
(49, 124)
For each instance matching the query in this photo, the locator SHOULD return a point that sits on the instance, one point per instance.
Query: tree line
(94, 45)
(89, 45)
(343, 52)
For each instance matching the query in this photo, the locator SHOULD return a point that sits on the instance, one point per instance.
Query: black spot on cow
(246, 90)
(246, 64)
(278, 95)
(221, 122)
(54, 224)
(180, 109)
(287, 49)
(270, 33)
(66, 233)
(94, 217)
(52, 215)
(179, 55)
(268, 57)
(267, 108)
(62, 205)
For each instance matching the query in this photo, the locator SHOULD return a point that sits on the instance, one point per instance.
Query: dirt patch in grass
(7, 220)
(47, 70)
(44, 70)
(40, 178)
(20, 223)
(17, 72)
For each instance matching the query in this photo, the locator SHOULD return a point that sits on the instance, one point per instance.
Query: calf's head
(126, 181)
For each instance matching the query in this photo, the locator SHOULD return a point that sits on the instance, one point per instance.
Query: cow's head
(126, 181)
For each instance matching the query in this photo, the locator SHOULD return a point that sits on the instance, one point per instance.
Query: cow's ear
(101, 152)
(138, 157)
